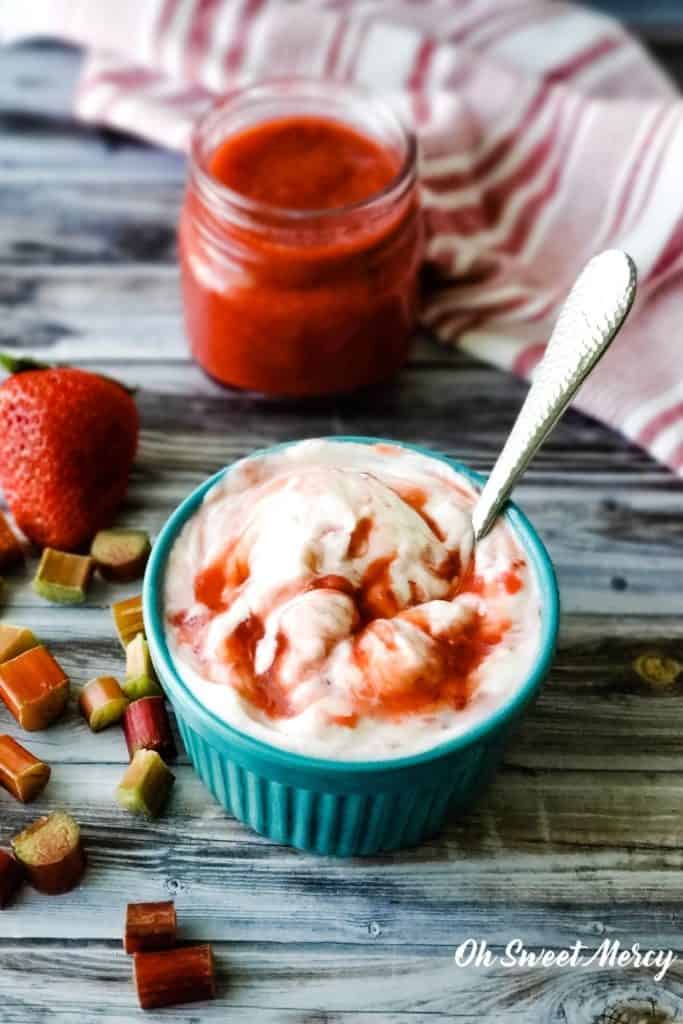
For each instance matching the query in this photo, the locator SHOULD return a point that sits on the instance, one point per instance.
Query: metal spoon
(590, 319)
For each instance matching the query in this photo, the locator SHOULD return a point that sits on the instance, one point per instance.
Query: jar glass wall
(292, 299)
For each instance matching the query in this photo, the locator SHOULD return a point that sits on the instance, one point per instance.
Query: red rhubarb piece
(121, 555)
(146, 726)
(150, 926)
(175, 976)
(22, 774)
(34, 688)
(11, 877)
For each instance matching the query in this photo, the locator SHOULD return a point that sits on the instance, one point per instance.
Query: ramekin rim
(284, 758)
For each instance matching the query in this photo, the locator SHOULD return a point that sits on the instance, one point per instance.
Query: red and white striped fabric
(546, 135)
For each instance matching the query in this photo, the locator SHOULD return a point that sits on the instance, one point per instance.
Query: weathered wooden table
(580, 837)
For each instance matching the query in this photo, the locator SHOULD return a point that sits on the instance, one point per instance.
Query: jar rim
(226, 199)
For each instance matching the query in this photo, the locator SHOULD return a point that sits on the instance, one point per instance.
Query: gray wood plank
(68, 314)
(37, 84)
(466, 409)
(583, 859)
(274, 984)
(107, 222)
(35, 78)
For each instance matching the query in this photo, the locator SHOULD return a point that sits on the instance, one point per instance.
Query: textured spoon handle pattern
(591, 317)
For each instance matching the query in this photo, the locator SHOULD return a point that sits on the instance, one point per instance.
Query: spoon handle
(588, 322)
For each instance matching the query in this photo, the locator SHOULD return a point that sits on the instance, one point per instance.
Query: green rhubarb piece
(14, 640)
(145, 787)
(51, 852)
(102, 702)
(121, 555)
(128, 619)
(63, 578)
(140, 679)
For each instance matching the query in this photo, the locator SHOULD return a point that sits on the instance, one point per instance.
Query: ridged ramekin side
(365, 820)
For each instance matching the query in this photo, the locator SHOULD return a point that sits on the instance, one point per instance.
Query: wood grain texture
(580, 836)
(276, 984)
(563, 843)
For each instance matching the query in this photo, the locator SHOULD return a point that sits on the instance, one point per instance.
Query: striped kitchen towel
(546, 135)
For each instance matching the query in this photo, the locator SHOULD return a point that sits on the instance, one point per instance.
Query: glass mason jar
(297, 301)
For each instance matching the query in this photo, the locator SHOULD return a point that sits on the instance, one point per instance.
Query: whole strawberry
(67, 442)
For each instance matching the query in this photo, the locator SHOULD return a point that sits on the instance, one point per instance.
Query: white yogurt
(317, 601)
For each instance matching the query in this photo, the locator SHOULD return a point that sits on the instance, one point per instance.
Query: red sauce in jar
(303, 163)
(300, 246)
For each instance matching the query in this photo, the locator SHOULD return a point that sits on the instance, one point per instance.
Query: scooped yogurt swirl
(326, 598)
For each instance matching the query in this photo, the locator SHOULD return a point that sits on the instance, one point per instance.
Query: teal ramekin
(342, 808)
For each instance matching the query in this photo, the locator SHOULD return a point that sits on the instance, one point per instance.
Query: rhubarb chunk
(34, 688)
(63, 578)
(15, 640)
(51, 853)
(146, 726)
(150, 926)
(121, 555)
(128, 619)
(22, 774)
(146, 785)
(102, 702)
(11, 877)
(11, 551)
(173, 977)
(140, 679)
